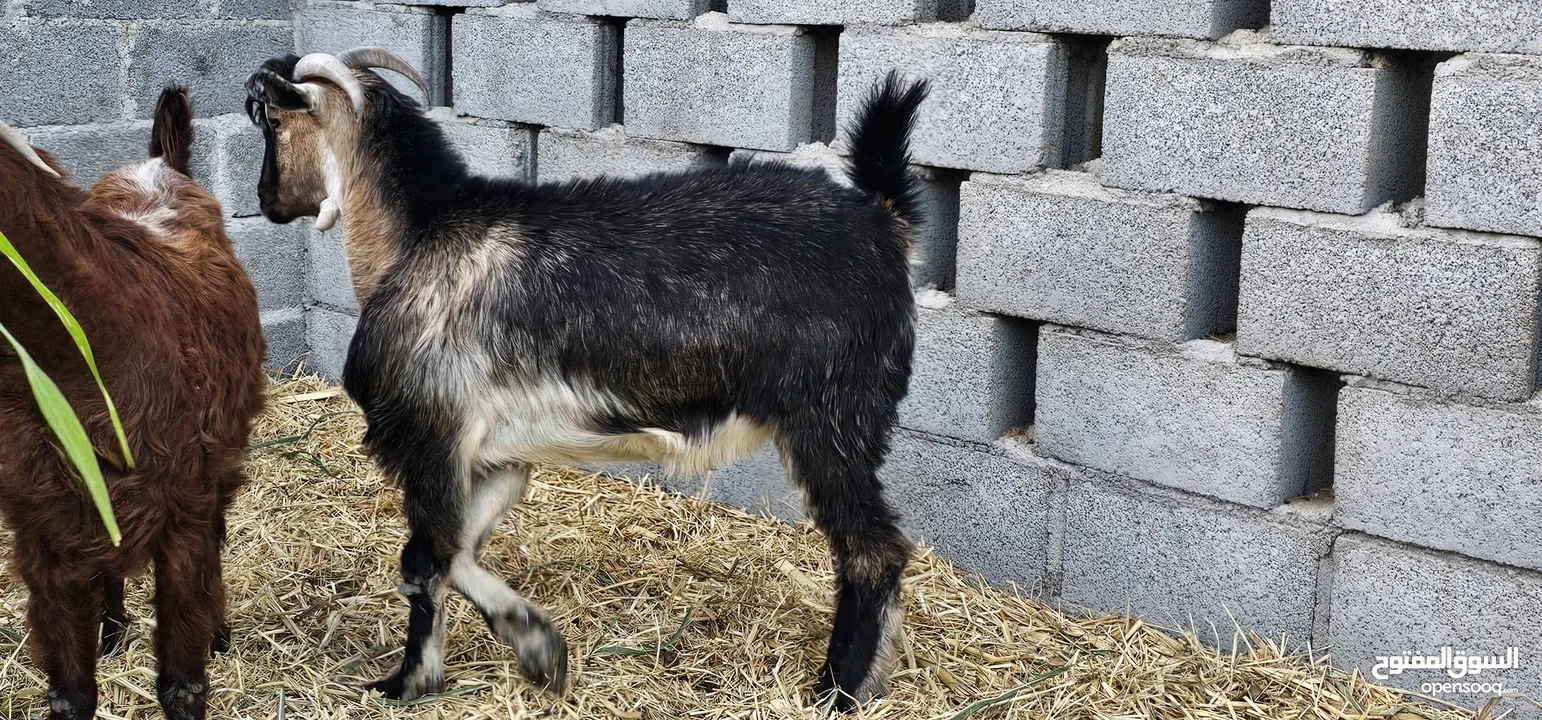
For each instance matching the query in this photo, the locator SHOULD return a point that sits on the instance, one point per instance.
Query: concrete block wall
(1227, 308)
(80, 79)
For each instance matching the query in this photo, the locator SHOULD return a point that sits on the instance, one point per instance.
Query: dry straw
(673, 608)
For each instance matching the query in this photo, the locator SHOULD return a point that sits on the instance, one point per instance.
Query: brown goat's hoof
(184, 700)
(76, 704)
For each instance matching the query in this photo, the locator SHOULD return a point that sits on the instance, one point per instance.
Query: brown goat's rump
(672, 607)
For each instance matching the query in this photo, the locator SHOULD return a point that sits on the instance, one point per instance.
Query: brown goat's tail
(171, 136)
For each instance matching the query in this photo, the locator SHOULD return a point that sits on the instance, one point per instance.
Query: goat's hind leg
(846, 501)
(516, 621)
(63, 612)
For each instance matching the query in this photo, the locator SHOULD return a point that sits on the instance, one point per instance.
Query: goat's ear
(271, 88)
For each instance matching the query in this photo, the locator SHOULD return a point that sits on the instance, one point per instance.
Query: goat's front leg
(63, 611)
(189, 608)
(424, 567)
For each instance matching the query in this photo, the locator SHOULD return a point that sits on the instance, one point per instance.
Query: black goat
(685, 317)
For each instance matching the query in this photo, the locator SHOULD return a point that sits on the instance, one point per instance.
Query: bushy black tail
(171, 134)
(879, 142)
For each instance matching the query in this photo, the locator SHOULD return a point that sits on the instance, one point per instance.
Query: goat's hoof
(184, 700)
(543, 656)
(832, 698)
(221, 642)
(399, 687)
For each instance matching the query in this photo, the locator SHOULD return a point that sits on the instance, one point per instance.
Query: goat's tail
(171, 135)
(879, 142)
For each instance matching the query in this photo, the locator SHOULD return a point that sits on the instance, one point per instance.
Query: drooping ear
(270, 88)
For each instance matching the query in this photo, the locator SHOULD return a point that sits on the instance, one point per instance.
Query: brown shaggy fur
(143, 261)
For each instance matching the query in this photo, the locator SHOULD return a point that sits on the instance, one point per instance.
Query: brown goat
(143, 261)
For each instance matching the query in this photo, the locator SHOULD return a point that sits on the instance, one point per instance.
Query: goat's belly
(554, 423)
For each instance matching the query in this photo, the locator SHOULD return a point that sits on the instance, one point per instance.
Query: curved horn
(328, 67)
(378, 57)
(9, 136)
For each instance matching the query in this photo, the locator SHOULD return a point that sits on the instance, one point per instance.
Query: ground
(672, 608)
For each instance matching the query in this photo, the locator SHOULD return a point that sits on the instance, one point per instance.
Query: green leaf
(72, 436)
(71, 325)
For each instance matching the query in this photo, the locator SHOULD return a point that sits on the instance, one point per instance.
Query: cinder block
(832, 12)
(327, 334)
(569, 154)
(284, 330)
(275, 259)
(936, 236)
(115, 9)
(518, 63)
(1187, 562)
(1415, 467)
(718, 83)
(1195, 417)
(490, 147)
(451, 3)
(1244, 120)
(972, 377)
(997, 98)
(88, 152)
(327, 280)
(1444, 309)
(661, 9)
(1485, 165)
(256, 9)
(1391, 599)
(213, 59)
(1460, 25)
(227, 161)
(1207, 19)
(990, 509)
(60, 72)
(1063, 248)
(416, 34)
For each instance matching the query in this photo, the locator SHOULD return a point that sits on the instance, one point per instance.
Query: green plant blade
(76, 332)
(72, 436)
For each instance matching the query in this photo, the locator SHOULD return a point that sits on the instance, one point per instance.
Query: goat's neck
(372, 231)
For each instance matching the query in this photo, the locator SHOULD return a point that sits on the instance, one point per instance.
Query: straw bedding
(673, 608)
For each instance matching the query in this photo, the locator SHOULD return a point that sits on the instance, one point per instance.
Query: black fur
(761, 290)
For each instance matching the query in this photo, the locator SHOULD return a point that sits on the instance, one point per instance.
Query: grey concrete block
(718, 83)
(284, 329)
(451, 3)
(60, 72)
(1391, 599)
(1485, 165)
(1208, 19)
(832, 12)
(1445, 309)
(490, 147)
(1415, 467)
(275, 258)
(227, 161)
(1460, 25)
(213, 59)
(327, 280)
(116, 9)
(990, 509)
(1244, 120)
(1194, 417)
(997, 101)
(256, 9)
(517, 63)
(1060, 247)
(1186, 562)
(88, 152)
(661, 9)
(935, 236)
(570, 154)
(972, 377)
(416, 34)
(327, 334)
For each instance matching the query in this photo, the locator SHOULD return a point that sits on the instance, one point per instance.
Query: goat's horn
(328, 67)
(9, 136)
(378, 57)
